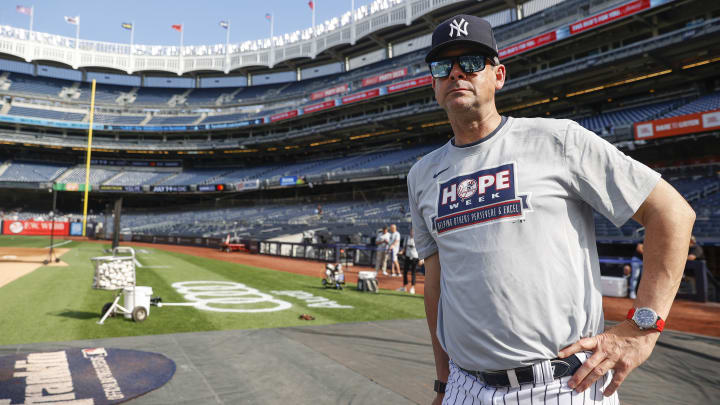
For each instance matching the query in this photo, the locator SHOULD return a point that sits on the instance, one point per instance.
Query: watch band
(439, 387)
(659, 322)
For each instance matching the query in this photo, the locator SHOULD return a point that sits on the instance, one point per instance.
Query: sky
(101, 20)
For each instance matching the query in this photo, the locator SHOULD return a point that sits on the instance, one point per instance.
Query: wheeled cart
(117, 273)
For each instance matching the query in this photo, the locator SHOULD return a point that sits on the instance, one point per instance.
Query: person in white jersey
(393, 248)
(382, 240)
(503, 216)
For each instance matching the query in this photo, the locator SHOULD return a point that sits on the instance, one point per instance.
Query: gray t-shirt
(512, 219)
(394, 240)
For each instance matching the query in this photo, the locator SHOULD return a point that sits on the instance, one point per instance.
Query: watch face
(645, 318)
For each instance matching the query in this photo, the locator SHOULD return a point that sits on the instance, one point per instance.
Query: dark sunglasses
(468, 64)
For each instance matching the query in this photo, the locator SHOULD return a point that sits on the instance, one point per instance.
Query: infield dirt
(16, 262)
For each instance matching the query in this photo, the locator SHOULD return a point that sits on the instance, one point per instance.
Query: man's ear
(500, 76)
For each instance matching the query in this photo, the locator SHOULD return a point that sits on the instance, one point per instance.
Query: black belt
(561, 368)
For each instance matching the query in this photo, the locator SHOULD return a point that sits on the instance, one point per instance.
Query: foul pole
(89, 150)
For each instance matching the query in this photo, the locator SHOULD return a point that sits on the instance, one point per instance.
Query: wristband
(439, 387)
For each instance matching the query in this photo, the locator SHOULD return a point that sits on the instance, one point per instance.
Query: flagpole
(132, 42)
(227, 47)
(182, 33)
(352, 22)
(77, 34)
(314, 3)
(272, 39)
(32, 17)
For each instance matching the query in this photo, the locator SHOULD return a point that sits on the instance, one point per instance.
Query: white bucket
(137, 297)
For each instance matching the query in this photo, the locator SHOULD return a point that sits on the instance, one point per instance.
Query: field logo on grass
(311, 300)
(90, 376)
(226, 296)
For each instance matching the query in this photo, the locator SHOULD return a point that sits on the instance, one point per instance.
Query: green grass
(59, 303)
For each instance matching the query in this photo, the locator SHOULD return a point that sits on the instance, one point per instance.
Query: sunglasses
(468, 64)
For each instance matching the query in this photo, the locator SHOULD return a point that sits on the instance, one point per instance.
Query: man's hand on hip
(621, 348)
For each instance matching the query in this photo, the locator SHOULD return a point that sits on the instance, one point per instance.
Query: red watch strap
(631, 313)
(660, 324)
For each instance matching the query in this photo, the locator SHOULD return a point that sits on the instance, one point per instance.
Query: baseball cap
(463, 29)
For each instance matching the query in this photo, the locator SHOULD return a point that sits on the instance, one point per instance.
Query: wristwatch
(439, 387)
(646, 318)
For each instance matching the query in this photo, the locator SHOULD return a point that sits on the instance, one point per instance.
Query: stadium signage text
(609, 16)
(392, 75)
(319, 106)
(90, 376)
(170, 189)
(35, 228)
(527, 45)
(343, 88)
(681, 125)
(283, 115)
(248, 185)
(409, 84)
(361, 96)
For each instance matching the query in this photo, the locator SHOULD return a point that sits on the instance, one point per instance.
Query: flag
(224, 24)
(311, 4)
(24, 10)
(72, 20)
(268, 16)
(127, 26)
(177, 27)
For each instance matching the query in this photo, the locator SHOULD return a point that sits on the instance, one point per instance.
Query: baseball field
(57, 302)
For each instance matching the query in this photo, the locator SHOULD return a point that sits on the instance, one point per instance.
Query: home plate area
(89, 376)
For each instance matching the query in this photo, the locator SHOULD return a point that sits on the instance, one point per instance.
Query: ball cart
(117, 273)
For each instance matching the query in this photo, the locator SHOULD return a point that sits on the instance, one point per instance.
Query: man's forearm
(432, 297)
(668, 224)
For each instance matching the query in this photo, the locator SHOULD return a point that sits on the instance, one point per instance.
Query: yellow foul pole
(89, 149)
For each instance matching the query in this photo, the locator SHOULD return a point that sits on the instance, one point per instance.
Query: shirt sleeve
(613, 183)
(424, 242)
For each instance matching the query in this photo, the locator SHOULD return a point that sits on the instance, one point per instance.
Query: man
(381, 254)
(695, 252)
(393, 248)
(502, 215)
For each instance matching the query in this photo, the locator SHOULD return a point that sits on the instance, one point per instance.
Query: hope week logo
(479, 198)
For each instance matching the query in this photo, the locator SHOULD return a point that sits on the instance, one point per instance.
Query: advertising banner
(383, 77)
(76, 229)
(409, 84)
(684, 124)
(170, 189)
(35, 228)
(211, 187)
(288, 181)
(283, 115)
(527, 45)
(330, 92)
(319, 106)
(248, 185)
(353, 98)
(609, 16)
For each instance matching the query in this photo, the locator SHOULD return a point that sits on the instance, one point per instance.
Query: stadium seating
(705, 103)
(97, 175)
(45, 113)
(174, 120)
(32, 171)
(138, 178)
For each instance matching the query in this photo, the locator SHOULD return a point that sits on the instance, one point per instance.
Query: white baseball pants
(464, 389)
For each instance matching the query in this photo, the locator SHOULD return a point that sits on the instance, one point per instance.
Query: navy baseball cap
(463, 29)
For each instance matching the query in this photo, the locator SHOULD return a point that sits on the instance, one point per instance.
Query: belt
(525, 375)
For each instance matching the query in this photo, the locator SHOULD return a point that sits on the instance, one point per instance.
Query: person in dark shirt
(695, 252)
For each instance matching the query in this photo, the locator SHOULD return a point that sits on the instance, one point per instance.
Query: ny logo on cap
(460, 27)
